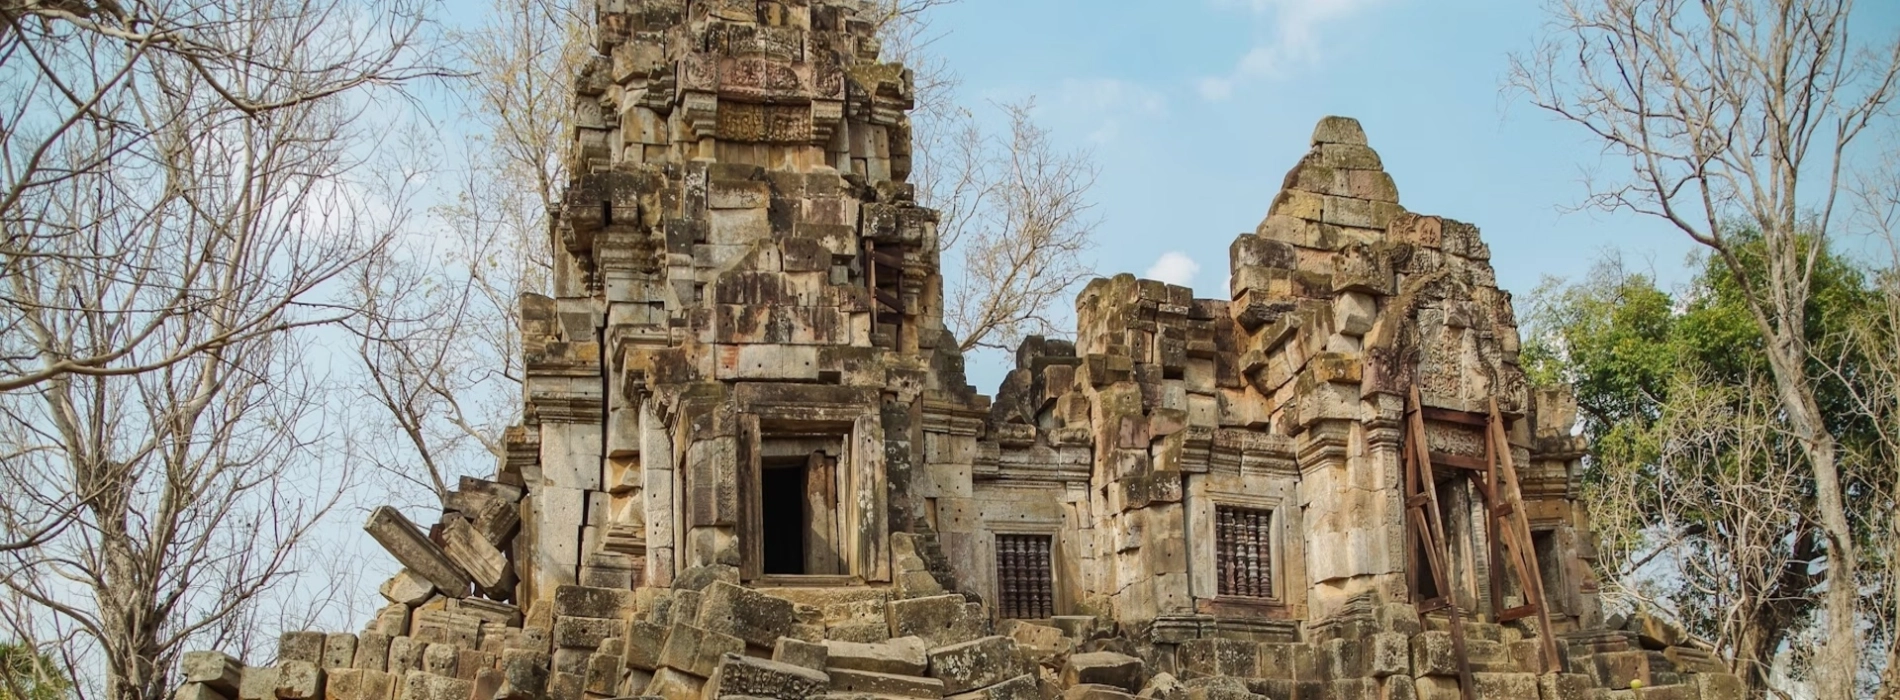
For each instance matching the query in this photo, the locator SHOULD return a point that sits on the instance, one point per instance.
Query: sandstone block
(420, 685)
(1201, 658)
(197, 691)
(697, 651)
(301, 646)
(408, 545)
(1504, 686)
(1104, 668)
(1564, 686)
(441, 659)
(221, 673)
(566, 686)
(884, 684)
(586, 632)
(473, 554)
(339, 650)
(744, 675)
(975, 664)
(299, 680)
(644, 643)
(1092, 691)
(258, 683)
(405, 654)
(673, 684)
(1022, 687)
(1432, 654)
(798, 652)
(939, 620)
(755, 617)
(906, 656)
(524, 674)
(372, 652)
(584, 601)
(357, 684)
(1344, 130)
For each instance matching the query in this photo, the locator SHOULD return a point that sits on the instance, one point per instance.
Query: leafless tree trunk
(1725, 110)
(180, 185)
(439, 336)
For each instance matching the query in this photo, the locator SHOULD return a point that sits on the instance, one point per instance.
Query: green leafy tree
(26, 674)
(1698, 489)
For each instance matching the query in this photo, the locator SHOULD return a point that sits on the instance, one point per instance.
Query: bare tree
(439, 336)
(1015, 212)
(1725, 110)
(181, 186)
(1710, 527)
(1876, 342)
(1013, 205)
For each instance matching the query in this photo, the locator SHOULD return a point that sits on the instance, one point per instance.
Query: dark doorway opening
(782, 517)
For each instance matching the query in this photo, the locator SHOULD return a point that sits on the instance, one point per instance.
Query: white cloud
(1292, 37)
(1174, 267)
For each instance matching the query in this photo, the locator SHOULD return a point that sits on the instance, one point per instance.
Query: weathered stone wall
(750, 466)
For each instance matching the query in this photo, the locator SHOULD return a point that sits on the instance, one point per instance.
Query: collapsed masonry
(750, 465)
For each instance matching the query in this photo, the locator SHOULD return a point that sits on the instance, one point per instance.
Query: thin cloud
(1174, 267)
(1293, 29)
(1109, 103)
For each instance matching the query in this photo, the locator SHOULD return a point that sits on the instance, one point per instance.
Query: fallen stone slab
(674, 684)
(1103, 668)
(744, 675)
(798, 652)
(413, 549)
(905, 656)
(697, 651)
(1024, 687)
(1095, 691)
(940, 620)
(976, 664)
(884, 684)
(755, 617)
(471, 552)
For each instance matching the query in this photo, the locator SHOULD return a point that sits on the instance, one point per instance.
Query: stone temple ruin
(750, 465)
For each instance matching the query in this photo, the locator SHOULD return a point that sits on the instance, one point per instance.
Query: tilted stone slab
(903, 656)
(673, 684)
(744, 675)
(939, 620)
(976, 664)
(884, 684)
(1024, 687)
(755, 617)
(472, 553)
(697, 651)
(1095, 691)
(411, 547)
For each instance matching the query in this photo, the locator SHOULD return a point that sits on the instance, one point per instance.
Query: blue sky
(1196, 109)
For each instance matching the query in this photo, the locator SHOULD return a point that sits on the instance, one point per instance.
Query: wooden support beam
(1446, 459)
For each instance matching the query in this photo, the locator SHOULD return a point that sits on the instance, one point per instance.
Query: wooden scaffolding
(1494, 479)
